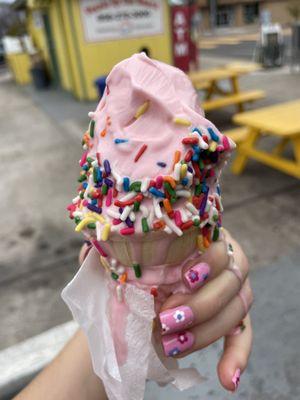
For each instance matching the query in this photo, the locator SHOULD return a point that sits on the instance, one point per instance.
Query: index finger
(207, 301)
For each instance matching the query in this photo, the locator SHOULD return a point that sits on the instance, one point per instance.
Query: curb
(19, 363)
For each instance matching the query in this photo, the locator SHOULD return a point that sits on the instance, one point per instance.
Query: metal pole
(213, 13)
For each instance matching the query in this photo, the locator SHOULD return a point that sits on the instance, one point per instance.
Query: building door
(52, 52)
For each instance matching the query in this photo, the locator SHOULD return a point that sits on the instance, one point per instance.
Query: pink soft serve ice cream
(149, 198)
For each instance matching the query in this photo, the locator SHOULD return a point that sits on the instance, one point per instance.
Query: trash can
(272, 46)
(100, 85)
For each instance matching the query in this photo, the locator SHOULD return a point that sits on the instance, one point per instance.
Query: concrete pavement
(38, 250)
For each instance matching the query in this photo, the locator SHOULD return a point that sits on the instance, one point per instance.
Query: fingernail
(236, 379)
(197, 275)
(177, 343)
(176, 319)
(238, 329)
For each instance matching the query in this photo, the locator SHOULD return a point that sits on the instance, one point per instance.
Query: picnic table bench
(209, 82)
(281, 121)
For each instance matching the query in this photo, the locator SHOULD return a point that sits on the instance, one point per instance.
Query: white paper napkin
(87, 296)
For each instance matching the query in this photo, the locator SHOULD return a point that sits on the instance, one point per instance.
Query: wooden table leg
(240, 161)
(210, 91)
(236, 89)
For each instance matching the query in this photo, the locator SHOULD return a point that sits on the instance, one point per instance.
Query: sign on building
(105, 20)
(185, 23)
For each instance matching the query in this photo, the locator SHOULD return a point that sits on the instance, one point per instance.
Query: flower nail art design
(182, 337)
(174, 352)
(176, 319)
(165, 328)
(236, 378)
(193, 275)
(179, 316)
(197, 275)
(176, 343)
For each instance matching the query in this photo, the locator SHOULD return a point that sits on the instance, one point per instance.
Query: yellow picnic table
(209, 82)
(281, 121)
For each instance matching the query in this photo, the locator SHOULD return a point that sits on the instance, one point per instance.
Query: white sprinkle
(184, 215)
(98, 231)
(119, 186)
(144, 185)
(128, 196)
(132, 216)
(189, 214)
(95, 163)
(167, 230)
(113, 262)
(125, 213)
(189, 175)
(183, 193)
(192, 208)
(90, 184)
(84, 147)
(202, 143)
(150, 218)
(118, 179)
(157, 208)
(119, 290)
(172, 225)
(208, 205)
(76, 199)
(78, 214)
(91, 114)
(121, 270)
(144, 210)
(112, 213)
(115, 228)
(176, 173)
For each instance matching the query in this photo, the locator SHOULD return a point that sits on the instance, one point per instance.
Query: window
(251, 12)
(225, 15)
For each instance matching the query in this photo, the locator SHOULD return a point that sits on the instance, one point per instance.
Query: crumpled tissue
(88, 296)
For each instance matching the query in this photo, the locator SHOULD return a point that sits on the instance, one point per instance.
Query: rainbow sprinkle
(185, 198)
(140, 152)
(182, 121)
(142, 109)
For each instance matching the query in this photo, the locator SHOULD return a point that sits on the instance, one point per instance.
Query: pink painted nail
(176, 319)
(236, 379)
(177, 343)
(197, 275)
